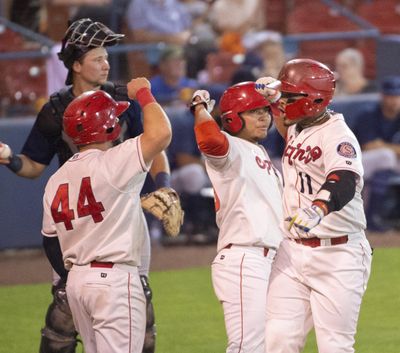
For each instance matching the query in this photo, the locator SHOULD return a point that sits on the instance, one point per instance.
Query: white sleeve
(342, 150)
(48, 226)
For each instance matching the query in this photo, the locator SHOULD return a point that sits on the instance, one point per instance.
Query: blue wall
(20, 198)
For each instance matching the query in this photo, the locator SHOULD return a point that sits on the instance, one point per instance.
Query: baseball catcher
(165, 205)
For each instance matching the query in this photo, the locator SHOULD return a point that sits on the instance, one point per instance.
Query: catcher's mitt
(165, 205)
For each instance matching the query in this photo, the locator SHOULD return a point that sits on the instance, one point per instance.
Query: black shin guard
(59, 334)
(149, 345)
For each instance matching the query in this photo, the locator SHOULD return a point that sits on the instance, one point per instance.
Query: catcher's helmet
(237, 99)
(310, 78)
(82, 36)
(93, 118)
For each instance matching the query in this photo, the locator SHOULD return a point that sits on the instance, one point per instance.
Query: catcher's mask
(237, 99)
(310, 79)
(93, 118)
(82, 36)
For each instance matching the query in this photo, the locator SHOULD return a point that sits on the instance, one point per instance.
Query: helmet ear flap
(232, 122)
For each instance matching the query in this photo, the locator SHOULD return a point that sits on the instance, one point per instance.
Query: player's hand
(304, 219)
(202, 96)
(136, 84)
(269, 88)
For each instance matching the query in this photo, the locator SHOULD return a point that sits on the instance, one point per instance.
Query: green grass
(189, 318)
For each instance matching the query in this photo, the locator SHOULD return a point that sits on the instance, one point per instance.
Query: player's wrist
(145, 97)
(162, 180)
(320, 207)
(15, 164)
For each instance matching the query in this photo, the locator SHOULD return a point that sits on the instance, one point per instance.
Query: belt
(315, 242)
(265, 249)
(102, 264)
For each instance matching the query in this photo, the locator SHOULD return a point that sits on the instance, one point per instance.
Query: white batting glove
(269, 88)
(202, 96)
(305, 219)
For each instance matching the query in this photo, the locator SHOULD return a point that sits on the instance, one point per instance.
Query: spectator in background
(378, 132)
(190, 180)
(154, 21)
(171, 86)
(267, 46)
(203, 38)
(350, 74)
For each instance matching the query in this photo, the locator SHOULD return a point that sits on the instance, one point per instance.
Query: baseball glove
(165, 205)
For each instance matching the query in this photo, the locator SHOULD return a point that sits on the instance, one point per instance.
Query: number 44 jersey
(92, 203)
(309, 156)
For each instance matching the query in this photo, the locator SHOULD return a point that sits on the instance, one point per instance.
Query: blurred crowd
(208, 44)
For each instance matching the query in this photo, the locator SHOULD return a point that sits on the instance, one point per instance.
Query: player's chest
(303, 151)
(257, 164)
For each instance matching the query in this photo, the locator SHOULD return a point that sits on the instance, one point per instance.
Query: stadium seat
(23, 80)
(383, 14)
(324, 20)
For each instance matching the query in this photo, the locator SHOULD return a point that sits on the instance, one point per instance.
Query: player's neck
(103, 146)
(80, 87)
(313, 121)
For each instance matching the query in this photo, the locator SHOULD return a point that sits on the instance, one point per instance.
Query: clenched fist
(269, 88)
(202, 97)
(136, 84)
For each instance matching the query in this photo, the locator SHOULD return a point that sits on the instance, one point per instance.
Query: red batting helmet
(237, 99)
(310, 78)
(93, 118)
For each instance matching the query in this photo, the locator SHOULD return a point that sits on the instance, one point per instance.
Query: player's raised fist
(136, 84)
(269, 88)
(202, 96)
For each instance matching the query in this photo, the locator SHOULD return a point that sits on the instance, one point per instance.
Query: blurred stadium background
(308, 28)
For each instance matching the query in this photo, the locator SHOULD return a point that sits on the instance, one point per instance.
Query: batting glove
(204, 98)
(269, 88)
(306, 218)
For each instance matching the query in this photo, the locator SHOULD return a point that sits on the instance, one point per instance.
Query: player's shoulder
(49, 119)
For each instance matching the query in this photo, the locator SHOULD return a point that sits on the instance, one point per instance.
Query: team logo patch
(347, 150)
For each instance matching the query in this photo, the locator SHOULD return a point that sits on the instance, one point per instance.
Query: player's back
(93, 205)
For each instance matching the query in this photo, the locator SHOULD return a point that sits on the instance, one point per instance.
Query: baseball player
(323, 264)
(92, 214)
(84, 55)
(248, 203)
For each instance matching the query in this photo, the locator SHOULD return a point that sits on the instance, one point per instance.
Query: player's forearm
(338, 190)
(23, 166)
(156, 127)
(30, 169)
(210, 139)
(160, 171)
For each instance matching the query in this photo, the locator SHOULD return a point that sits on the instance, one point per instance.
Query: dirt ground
(31, 266)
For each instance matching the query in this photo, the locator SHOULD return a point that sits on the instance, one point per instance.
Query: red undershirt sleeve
(210, 139)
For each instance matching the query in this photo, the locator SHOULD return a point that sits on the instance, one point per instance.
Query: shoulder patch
(346, 149)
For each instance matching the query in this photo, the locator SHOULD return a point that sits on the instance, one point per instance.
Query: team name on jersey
(264, 164)
(305, 154)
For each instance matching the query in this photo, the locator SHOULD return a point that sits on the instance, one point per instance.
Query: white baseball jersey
(308, 158)
(248, 195)
(92, 203)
